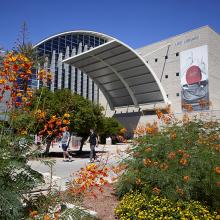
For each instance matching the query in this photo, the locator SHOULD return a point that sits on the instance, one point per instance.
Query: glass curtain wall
(63, 75)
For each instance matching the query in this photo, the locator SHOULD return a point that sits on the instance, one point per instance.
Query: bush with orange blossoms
(89, 179)
(149, 128)
(181, 159)
(52, 127)
(17, 177)
(16, 74)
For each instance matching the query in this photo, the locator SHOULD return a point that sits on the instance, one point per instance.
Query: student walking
(93, 140)
(65, 143)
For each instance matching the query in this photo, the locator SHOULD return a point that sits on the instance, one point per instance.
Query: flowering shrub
(88, 179)
(181, 161)
(16, 176)
(136, 205)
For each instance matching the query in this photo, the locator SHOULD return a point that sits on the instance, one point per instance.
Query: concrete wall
(170, 66)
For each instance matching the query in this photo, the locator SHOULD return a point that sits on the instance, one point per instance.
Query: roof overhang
(121, 74)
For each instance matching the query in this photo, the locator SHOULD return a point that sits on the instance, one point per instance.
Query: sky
(135, 22)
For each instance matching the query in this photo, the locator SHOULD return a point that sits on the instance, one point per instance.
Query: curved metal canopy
(121, 74)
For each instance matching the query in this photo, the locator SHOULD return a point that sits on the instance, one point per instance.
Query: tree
(83, 113)
(25, 47)
(111, 128)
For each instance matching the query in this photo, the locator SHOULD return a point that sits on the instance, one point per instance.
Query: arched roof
(120, 72)
(94, 33)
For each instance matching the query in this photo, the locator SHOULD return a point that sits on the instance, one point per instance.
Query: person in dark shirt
(93, 140)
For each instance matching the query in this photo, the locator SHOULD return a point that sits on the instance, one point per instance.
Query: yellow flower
(24, 99)
(2, 81)
(66, 115)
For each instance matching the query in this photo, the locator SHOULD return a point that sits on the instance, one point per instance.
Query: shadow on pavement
(74, 154)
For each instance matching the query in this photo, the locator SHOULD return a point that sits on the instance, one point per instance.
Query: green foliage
(136, 205)
(179, 162)
(56, 203)
(23, 121)
(111, 127)
(83, 113)
(16, 176)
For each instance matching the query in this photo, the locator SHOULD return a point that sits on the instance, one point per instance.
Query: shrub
(16, 176)
(181, 161)
(136, 205)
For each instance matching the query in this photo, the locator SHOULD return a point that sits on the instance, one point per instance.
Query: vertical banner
(194, 79)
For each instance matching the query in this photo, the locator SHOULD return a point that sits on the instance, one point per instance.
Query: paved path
(64, 171)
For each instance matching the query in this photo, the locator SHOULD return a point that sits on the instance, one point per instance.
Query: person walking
(93, 140)
(65, 143)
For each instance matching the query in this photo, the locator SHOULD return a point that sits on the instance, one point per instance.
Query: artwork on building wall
(194, 79)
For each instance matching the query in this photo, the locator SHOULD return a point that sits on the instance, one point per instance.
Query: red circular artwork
(193, 75)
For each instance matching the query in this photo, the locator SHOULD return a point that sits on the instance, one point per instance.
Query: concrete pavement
(63, 172)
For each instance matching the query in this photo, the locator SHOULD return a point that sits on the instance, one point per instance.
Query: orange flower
(15, 67)
(171, 155)
(138, 181)
(173, 136)
(148, 149)
(217, 170)
(66, 115)
(159, 114)
(147, 162)
(180, 151)
(164, 166)
(46, 217)
(59, 122)
(186, 179)
(186, 155)
(180, 191)
(66, 122)
(156, 190)
(183, 161)
(24, 99)
(33, 214)
(2, 81)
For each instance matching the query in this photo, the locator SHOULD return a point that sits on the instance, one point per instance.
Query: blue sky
(136, 22)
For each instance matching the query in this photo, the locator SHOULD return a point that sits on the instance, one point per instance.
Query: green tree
(111, 128)
(83, 113)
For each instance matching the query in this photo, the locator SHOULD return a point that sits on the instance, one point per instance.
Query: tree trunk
(48, 143)
(82, 143)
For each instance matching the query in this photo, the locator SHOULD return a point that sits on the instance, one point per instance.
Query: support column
(59, 65)
(73, 72)
(52, 70)
(79, 71)
(66, 68)
(85, 78)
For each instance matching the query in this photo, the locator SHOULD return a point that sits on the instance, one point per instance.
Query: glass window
(177, 74)
(155, 60)
(166, 76)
